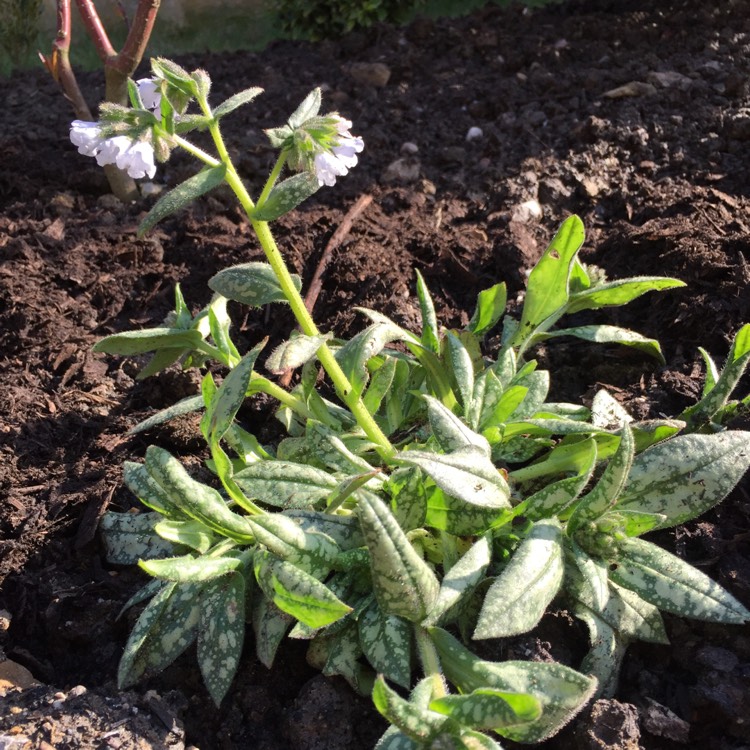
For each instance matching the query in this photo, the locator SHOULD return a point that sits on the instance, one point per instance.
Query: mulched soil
(660, 178)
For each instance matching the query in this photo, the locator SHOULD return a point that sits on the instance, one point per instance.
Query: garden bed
(634, 116)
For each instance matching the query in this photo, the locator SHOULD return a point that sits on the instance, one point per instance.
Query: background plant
(440, 494)
(20, 28)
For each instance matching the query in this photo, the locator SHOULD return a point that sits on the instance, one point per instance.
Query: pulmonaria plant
(436, 497)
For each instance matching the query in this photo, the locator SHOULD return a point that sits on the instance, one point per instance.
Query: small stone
(634, 88)
(150, 188)
(527, 212)
(5, 618)
(109, 201)
(370, 74)
(474, 134)
(720, 659)
(404, 170)
(77, 691)
(661, 722)
(409, 148)
(669, 79)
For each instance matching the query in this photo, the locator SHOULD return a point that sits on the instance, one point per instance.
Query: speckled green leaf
(537, 389)
(354, 354)
(562, 691)
(195, 499)
(490, 308)
(607, 412)
(430, 329)
(189, 569)
(221, 633)
(685, 476)
(343, 655)
(461, 580)
(606, 491)
(519, 596)
(228, 399)
(270, 625)
(673, 585)
(547, 291)
(450, 431)
(462, 367)
(467, 475)
(460, 518)
(606, 653)
(344, 530)
(287, 195)
(394, 739)
(295, 352)
(183, 406)
(594, 588)
(380, 384)
(285, 484)
(486, 708)
(386, 643)
(164, 630)
(331, 450)
(185, 193)
(312, 551)
(403, 583)
(297, 593)
(130, 537)
(308, 108)
(253, 284)
(619, 292)
(130, 343)
(605, 334)
(408, 497)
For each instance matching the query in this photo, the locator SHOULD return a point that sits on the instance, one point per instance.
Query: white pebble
(474, 134)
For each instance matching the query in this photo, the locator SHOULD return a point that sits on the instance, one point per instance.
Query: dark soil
(661, 179)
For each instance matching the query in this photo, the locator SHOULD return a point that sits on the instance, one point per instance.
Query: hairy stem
(430, 660)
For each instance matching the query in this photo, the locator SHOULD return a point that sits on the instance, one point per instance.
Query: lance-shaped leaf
(130, 343)
(673, 585)
(547, 292)
(182, 195)
(607, 412)
(403, 583)
(590, 577)
(683, 477)
(606, 491)
(519, 596)
(342, 657)
(457, 517)
(183, 406)
(253, 284)
(149, 492)
(270, 625)
(450, 431)
(380, 384)
(228, 399)
(344, 530)
(221, 633)
(537, 388)
(490, 308)
(717, 396)
(235, 101)
(461, 580)
(285, 484)
(354, 354)
(607, 651)
(193, 498)
(312, 551)
(619, 292)
(308, 108)
(605, 334)
(297, 593)
(430, 330)
(386, 642)
(462, 367)
(189, 533)
(467, 475)
(130, 537)
(486, 708)
(189, 569)
(561, 691)
(163, 631)
(287, 195)
(296, 352)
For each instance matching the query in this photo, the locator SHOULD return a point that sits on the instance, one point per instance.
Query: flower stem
(276, 261)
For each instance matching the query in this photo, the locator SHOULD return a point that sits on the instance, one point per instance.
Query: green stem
(428, 655)
(304, 319)
(272, 179)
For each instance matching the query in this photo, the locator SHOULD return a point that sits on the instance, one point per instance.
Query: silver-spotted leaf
(285, 484)
(386, 642)
(253, 284)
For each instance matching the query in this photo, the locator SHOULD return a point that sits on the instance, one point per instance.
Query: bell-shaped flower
(339, 155)
(150, 95)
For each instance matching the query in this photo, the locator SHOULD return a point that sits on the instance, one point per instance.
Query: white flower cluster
(136, 157)
(337, 161)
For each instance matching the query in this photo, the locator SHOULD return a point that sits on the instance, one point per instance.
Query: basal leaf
(462, 368)
(386, 643)
(683, 477)
(430, 331)
(490, 308)
(189, 533)
(270, 625)
(519, 596)
(189, 569)
(673, 585)
(619, 292)
(285, 484)
(130, 537)
(403, 583)
(130, 343)
(150, 493)
(295, 352)
(486, 708)
(183, 406)
(606, 334)
(221, 633)
(450, 431)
